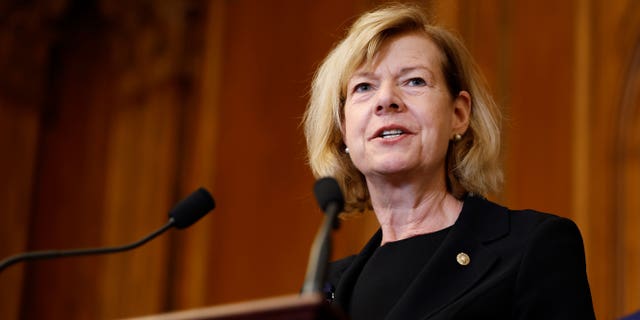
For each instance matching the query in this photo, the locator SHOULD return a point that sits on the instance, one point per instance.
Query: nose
(389, 99)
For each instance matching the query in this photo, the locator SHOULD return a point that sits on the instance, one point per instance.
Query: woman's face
(399, 115)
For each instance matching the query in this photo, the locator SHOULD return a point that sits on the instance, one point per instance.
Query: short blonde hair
(473, 164)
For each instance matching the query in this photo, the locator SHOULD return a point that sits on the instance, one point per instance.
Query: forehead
(414, 48)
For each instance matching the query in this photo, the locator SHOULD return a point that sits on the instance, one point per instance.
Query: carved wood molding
(153, 41)
(26, 33)
(149, 42)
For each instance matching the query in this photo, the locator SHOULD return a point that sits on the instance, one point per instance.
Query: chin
(389, 163)
(392, 168)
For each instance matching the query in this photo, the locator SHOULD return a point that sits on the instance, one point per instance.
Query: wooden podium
(291, 307)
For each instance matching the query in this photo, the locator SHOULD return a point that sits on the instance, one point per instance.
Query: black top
(389, 272)
(521, 264)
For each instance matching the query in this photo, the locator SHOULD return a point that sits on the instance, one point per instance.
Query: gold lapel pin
(463, 259)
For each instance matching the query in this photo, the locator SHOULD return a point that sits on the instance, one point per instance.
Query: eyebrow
(367, 74)
(421, 67)
(364, 74)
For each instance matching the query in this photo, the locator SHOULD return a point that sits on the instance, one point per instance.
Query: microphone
(192, 208)
(185, 213)
(331, 201)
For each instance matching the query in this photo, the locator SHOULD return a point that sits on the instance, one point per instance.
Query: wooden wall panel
(141, 179)
(538, 125)
(626, 158)
(69, 183)
(189, 271)
(105, 159)
(602, 251)
(23, 69)
(18, 140)
(628, 185)
(266, 217)
(148, 101)
(614, 39)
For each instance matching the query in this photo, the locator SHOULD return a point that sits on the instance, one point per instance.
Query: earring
(457, 137)
(346, 150)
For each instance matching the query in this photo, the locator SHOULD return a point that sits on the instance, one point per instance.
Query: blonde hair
(472, 163)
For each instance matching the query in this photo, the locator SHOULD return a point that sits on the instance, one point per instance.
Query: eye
(416, 82)
(362, 87)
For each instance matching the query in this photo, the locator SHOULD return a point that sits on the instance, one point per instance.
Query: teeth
(391, 133)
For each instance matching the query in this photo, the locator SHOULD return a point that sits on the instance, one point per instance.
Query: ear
(461, 113)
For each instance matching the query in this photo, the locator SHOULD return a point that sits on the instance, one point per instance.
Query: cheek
(352, 126)
(439, 116)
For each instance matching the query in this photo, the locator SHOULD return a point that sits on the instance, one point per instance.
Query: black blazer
(522, 265)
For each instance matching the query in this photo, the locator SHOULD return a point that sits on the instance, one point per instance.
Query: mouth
(390, 133)
(386, 134)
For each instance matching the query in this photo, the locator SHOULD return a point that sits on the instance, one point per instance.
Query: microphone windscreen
(192, 208)
(328, 191)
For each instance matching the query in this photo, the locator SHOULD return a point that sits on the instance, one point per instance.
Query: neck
(404, 211)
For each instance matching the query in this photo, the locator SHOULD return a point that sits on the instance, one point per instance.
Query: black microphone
(331, 201)
(185, 213)
(192, 208)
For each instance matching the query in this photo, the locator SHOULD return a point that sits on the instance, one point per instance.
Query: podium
(290, 307)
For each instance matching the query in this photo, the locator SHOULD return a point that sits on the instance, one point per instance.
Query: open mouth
(386, 134)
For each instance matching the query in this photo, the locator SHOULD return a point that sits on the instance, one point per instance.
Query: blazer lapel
(444, 279)
(348, 280)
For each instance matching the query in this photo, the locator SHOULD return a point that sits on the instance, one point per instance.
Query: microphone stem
(320, 252)
(79, 252)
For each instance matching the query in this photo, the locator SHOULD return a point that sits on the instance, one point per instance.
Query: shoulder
(496, 219)
(523, 234)
(552, 272)
(548, 238)
(544, 255)
(540, 226)
(528, 236)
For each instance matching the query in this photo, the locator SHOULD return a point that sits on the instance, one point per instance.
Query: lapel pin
(463, 259)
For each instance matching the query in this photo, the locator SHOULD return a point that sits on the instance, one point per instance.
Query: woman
(401, 117)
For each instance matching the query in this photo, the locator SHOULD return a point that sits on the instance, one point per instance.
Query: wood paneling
(131, 105)
(18, 138)
(70, 176)
(615, 37)
(266, 220)
(104, 157)
(627, 163)
(189, 261)
(539, 107)
(23, 66)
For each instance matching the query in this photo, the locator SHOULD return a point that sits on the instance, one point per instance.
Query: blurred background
(113, 110)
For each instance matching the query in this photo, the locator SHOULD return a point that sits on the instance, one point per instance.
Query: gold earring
(457, 137)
